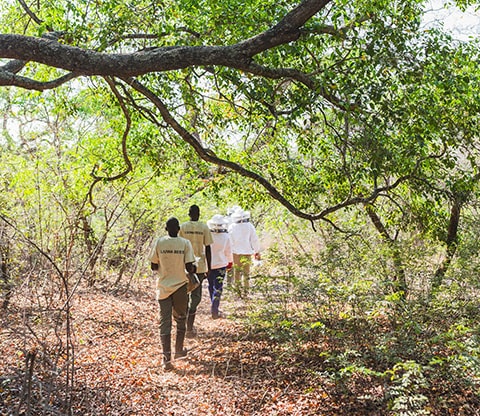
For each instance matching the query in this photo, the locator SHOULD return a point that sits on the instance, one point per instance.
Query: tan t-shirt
(199, 235)
(171, 254)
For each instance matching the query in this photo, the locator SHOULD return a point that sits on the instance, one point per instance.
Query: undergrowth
(412, 356)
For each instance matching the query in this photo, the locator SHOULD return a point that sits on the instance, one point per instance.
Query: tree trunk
(451, 242)
(399, 278)
(5, 282)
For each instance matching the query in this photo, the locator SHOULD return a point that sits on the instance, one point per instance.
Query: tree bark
(399, 280)
(5, 282)
(88, 62)
(451, 242)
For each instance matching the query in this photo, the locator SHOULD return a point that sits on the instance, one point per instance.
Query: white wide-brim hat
(237, 215)
(217, 222)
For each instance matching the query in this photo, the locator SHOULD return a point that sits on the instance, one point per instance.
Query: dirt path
(119, 364)
(228, 370)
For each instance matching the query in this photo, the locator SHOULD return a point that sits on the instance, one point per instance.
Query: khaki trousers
(241, 270)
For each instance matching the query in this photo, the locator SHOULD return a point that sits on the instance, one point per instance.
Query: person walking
(221, 261)
(170, 256)
(199, 235)
(245, 243)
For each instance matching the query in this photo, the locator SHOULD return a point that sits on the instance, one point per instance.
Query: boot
(180, 352)
(166, 351)
(191, 331)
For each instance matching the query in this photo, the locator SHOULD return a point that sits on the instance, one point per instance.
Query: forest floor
(229, 370)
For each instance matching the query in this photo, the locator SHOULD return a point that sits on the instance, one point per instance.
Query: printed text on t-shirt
(171, 251)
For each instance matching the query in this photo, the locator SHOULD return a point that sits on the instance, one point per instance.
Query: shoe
(167, 366)
(191, 333)
(181, 354)
(219, 315)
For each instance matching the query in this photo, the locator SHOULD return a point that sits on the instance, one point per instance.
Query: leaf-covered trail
(118, 365)
(230, 369)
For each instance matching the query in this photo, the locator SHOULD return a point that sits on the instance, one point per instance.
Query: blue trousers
(216, 278)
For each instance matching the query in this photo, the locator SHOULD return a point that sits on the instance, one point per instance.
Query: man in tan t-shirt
(198, 233)
(170, 256)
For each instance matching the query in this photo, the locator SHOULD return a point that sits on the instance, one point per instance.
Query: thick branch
(210, 157)
(287, 30)
(87, 62)
(8, 71)
(10, 79)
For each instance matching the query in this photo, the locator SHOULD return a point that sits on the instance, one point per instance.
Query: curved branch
(8, 78)
(285, 31)
(8, 71)
(129, 167)
(210, 157)
(126, 132)
(29, 11)
(13, 66)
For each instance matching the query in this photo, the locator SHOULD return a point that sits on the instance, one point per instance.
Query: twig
(27, 382)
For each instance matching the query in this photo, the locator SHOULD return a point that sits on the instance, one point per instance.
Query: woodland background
(349, 129)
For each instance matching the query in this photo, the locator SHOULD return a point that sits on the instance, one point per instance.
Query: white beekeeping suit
(245, 243)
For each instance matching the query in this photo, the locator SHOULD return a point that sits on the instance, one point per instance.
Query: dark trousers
(175, 305)
(216, 277)
(195, 296)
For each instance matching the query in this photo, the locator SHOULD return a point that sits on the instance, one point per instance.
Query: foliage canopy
(324, 104)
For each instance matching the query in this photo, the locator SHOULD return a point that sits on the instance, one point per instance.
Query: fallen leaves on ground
(117, 367)
(229, 370)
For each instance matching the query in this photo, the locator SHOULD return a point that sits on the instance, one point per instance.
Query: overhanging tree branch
(47, 50)
(239, 56)
(88, 62)
(30, 13)
(209, 156)
(10, 79)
